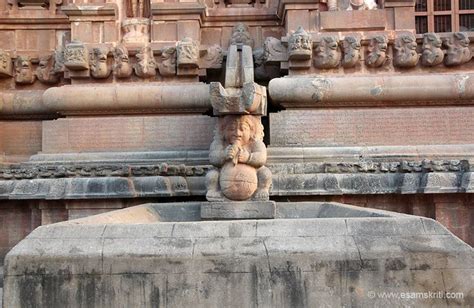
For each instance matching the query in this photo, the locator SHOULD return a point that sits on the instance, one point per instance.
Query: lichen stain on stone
(376, 91)
(321, 86)
(461, 83)
(294, 286)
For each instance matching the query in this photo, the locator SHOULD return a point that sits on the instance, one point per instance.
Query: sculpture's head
(431, 39)
(240, 129)
(462, 38)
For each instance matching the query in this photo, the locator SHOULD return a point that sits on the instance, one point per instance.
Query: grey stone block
(238, 210)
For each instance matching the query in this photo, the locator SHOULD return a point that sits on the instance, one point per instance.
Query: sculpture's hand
(244, 156)
(231, 151)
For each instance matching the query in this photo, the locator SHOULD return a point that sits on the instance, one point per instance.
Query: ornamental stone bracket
(238, 152)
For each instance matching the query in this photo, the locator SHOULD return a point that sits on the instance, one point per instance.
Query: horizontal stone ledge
(311, 91)
(166, 98)
(283, 185)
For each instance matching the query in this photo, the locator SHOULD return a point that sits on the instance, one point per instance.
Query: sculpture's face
(434, 40)
(238, 132)
(300, 42)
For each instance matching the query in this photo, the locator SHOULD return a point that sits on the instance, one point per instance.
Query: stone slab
(372, 127)
(238, 210)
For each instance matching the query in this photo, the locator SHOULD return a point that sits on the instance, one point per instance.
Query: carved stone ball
(238, 182)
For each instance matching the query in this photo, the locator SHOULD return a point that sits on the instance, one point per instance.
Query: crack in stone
(268, 258)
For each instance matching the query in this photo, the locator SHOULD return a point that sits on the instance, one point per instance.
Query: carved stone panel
(300, 45)
(187, 52)
(239, 155)
(76, 56)
(241, 35)
(167, 66)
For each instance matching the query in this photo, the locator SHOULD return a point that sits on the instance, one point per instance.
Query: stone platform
(310, 255)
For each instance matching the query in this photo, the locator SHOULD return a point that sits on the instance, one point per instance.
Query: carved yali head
(121, 67)
(45, 71)
(431, 40)
(351, 48)
(300, 44)
(242, 129)
(327, 53)
(121, 54)
(241, 35)
(24, 70)
(461, 38)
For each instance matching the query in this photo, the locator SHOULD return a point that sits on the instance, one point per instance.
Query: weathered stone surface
(238, 210)
(298, 260)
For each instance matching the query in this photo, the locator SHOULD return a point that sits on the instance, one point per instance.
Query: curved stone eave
(311, 91)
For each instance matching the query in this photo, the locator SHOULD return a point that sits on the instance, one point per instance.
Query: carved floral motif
(405, 54)
(76, 56)
(327, 53)
(432, 53)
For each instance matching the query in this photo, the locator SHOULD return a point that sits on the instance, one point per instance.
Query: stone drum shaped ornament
(238, 150)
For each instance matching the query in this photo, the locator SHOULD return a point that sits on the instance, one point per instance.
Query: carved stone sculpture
(187, 52)
(241, 35)
(239, 154)
(359, 5)
(351, 48)
(300, 45)
(432, 53)
(6, 69)
(458, 49)
(24, 70)
(99, 67)
(76, 56)
(405, 54)
(45, 71)
(136, 30)
(122, 67)
(274, 51)
(146, 65)
(212, 58)
(327, 53)
(167, 66)
(377, 51)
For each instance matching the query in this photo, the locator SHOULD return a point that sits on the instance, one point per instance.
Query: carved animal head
(351, 42)
(121, 54)
(431, 39)
(100, 54)
(379, 43)
(45, 71)
(300, 40)
(461, 38)
(409, 41)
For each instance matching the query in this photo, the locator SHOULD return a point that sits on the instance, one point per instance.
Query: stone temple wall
(105, 105)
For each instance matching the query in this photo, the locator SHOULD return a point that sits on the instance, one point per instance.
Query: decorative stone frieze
(187, 52)
(76, 56)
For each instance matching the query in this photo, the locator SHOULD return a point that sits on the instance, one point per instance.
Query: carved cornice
(90, 9)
